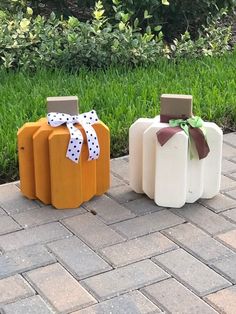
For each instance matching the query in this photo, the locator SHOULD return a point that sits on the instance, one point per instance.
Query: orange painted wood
(88, 169)
(26, 159)
(103, 162)
(42, 164)
(66, 188)
(48, 175)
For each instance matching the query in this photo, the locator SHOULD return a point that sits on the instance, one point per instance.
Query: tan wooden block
(176, 105)
(63, 104)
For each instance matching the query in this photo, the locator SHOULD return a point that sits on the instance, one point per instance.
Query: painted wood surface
(26, 157)
(167, 174)
(48, 175)
(41, 163)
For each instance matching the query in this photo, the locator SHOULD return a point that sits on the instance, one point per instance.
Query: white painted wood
(167, 174)
(171, 171)
(212, 163)
(136, 152)
(149, 158)
(195, 175)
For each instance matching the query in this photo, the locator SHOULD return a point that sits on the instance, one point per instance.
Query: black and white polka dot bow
(86, 120)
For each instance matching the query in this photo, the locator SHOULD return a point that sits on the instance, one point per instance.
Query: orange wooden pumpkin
(45, 171)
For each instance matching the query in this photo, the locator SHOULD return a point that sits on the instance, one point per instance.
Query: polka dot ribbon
(86, 120)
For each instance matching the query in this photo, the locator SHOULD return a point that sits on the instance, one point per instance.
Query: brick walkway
(132, 257)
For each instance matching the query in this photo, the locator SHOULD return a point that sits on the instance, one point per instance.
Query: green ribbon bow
(194, 122)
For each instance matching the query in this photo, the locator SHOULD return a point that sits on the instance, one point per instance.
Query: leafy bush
(174, 16)
(33, 42)
(212, 39)
(80, 9)
(12, 6)
(182, 15)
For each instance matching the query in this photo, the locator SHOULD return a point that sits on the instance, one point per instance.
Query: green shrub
(33, 42)
(186, 15)
(174, 16)
(212, 40)
(80, 9)
(12, 6)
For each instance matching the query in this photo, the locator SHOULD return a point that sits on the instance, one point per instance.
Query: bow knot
(193, 128)
(194, 122)
(86, 120)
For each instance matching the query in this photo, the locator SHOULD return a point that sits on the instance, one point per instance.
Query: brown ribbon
(196, 134)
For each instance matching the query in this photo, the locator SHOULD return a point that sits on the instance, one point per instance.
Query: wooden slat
(26, 157)
(66, 176)
(103, 162)
(42, 164)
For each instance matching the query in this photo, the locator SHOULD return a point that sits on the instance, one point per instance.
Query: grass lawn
(120, 96)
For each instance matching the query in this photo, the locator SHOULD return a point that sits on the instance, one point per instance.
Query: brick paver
(130, 303)
(123, 194)
(224, 301)
(14, 288)
(120, 253)
(230, 139)
(120, 168)
(231, 214)
(226, 267)
(32, 305)
(39, 234)
(142, 225)
(12, 200)
(143, 206)
(115, 181)
(204, 218)
(7, 224)
(228, 151)
(93, 231)
(228, 166)
(137, 249)
(124, 279)
(228, 183)
(231, 193)
(2, 212)
(173, 297)
(219, 203)
(18, 261)
(44, 215)
(108, 210)
(232, 175)
(78, 258)
(198, 243)
(59, 288)
(191, 272)
(228, 238)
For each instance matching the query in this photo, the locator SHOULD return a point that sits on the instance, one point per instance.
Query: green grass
(120, 96)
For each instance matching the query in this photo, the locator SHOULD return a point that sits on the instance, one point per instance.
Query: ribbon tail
(165, 134)
(74, 147)
(200, 142)
(92, 140)
(87, 120)
(192, 152)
